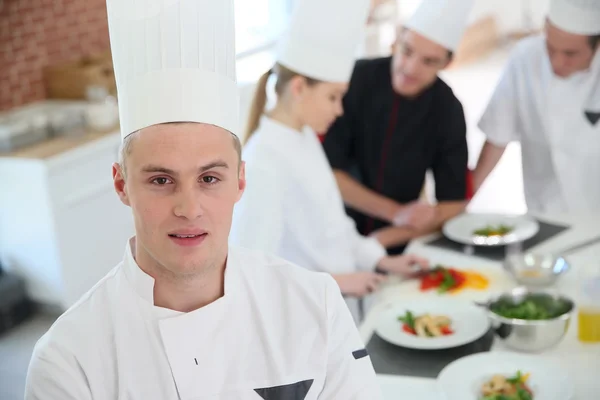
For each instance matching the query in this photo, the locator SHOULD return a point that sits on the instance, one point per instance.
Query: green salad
(492, 230)
(533, 307)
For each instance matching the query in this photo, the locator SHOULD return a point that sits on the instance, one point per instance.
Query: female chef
(292, 206)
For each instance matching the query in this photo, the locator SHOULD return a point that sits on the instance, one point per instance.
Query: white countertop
(580, 361)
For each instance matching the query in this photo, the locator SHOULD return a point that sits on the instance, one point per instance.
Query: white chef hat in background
(442, 21)
(322, 39)
(581, 17)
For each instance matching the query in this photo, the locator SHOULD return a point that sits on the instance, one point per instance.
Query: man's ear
(119, 183)
(241, 180)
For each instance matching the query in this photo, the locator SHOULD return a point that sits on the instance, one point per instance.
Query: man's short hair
(594, 41)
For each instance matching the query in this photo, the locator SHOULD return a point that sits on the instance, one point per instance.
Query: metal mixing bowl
(532, 335)
(536, 270)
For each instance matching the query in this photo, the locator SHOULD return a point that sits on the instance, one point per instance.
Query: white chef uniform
(279, 331)
(292, 206)
(555, 119)
(276, 325)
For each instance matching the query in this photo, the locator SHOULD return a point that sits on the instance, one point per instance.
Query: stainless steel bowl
(532, 335)
(536, 270)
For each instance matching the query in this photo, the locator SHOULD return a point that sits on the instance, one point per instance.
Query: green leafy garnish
(491, 230)
(448, 282)
(515, 379)
(408, 319)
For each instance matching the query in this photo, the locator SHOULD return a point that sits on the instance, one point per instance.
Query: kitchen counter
(57, 145)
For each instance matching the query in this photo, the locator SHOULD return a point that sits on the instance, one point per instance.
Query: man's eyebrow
(214, 164)
(151, 168)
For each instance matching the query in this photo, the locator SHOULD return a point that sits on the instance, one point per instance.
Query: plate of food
(490, 229)
(504, 376)
(430, 324)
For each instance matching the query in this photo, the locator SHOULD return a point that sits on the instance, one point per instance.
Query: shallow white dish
(462, 379)
(469, 323)
(461, 229)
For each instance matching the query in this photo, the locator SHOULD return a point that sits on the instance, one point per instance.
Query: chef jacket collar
(276, 128)
(144, 283)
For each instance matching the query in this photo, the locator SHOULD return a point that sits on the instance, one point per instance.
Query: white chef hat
(323, 37)
(442, 21)
(581, 17)
(174, 61)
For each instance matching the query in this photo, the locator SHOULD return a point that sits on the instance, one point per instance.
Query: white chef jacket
(293, 207)
(553, 118)
(279, 332)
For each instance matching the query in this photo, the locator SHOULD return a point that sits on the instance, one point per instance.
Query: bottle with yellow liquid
(589, 310)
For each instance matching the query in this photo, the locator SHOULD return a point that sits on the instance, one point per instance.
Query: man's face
(568, 53)
(182, 182)
(416, 63)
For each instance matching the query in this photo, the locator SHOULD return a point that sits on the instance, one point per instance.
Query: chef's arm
(54, 374)
(350, 374)
(365, 200)
(393, 236)
(488, 159)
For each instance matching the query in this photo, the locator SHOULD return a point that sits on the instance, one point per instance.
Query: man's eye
(161, 181)
(209, 179)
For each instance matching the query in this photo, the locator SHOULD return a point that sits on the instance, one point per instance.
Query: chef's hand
(416, 214)
(408, 265)
(359, 284)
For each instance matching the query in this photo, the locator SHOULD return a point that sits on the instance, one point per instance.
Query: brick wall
(38, 33)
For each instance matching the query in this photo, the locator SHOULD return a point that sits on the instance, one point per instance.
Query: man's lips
(188, 238)
(187, 233)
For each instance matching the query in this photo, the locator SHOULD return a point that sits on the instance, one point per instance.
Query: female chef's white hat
(581, 17)
(442, 21)
(174, 61)
(322, 39)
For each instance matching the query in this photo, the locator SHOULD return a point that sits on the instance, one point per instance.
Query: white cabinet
(62, 226)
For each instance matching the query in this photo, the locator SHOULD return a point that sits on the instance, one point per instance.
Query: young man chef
(548, 99)
(183, 316)
(400, 120)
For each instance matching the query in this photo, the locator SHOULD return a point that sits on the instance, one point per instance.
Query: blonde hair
(257, 108)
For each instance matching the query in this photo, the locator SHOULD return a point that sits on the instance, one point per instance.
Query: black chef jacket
(388, 142)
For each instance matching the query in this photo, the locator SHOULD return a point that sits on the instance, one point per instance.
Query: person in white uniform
(548, 99)
(293, 207)
(184, 315)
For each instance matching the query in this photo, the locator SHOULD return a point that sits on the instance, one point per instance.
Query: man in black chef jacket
(400, 120)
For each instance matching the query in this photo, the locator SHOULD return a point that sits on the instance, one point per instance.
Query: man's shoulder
(528, 52)
(373, 64)
(87, 315)
(446, 99)
(530, 46)
(371, 72)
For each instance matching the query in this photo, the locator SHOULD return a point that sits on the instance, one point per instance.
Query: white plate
(462, 379)
(461, 228)
(469, 323)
